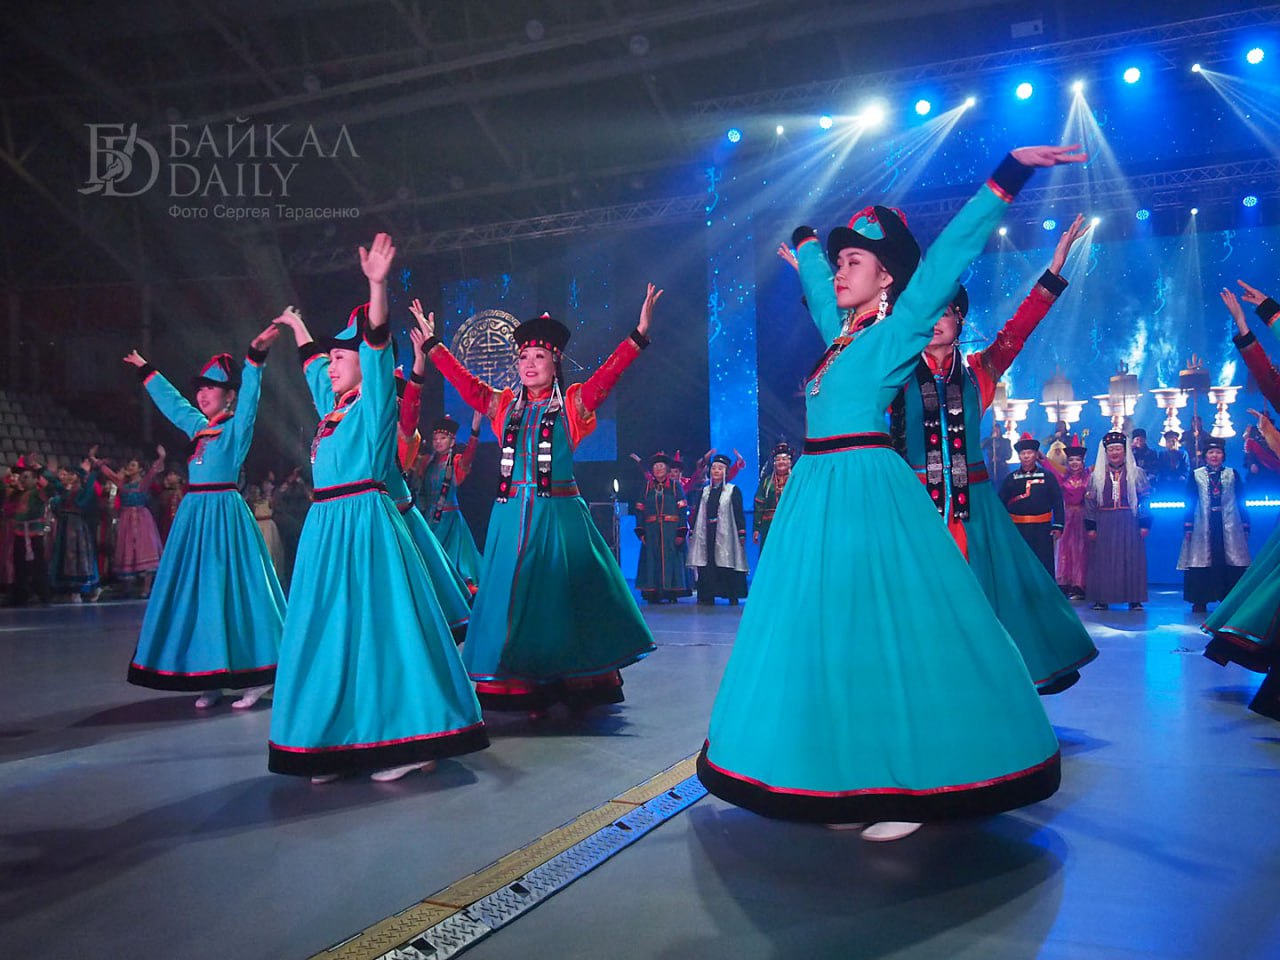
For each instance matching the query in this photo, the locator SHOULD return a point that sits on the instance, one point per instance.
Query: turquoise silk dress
(216, 609)
(369, 675)
(554, 619)
(450, 589)
(870, 678)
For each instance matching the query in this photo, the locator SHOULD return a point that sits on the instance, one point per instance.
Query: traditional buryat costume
(554, 619)
(216, 607)
(662, 524)
(369, 674)
(769, 493)
(717, 540)
(1117, 508)
(846, 698)
(936, 419)
(1034, 501)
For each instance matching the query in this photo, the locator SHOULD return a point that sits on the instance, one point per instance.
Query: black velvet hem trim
(1266, 701)
(198, 683)
(361, 759)
(1222, 650)
(1058, 684)
(548, 695)
(1038, 783)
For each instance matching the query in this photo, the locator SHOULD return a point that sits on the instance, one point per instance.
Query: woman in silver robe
(1215, 549)
(718, 536)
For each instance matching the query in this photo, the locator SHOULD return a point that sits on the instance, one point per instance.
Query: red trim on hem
(1058, 674)
(879, 791)
(200, 673)
(147, 378)
(379, 743)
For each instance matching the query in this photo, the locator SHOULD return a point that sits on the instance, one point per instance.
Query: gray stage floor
(133, 827)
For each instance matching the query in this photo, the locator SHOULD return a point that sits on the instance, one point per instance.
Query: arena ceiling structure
(448, 124)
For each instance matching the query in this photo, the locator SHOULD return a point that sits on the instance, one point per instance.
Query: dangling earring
(883, 307)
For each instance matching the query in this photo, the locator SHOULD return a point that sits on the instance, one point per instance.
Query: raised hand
(1065, 242)
(426, 321)
(135, 358)
(789, 255)
(1236, 311)
(477, 418)
(375, 261)
(651, 297)
(267, 337)
(1046, 156)
(418, 339)
(160, 454)
(1251, 294)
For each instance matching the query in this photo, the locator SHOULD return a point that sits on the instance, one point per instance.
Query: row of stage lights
(874, 114)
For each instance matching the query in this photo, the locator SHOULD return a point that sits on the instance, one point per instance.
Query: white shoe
(887, 830)
(207, 700)
(844, 826)
(324, 778)
(249, 697)
(395, 773)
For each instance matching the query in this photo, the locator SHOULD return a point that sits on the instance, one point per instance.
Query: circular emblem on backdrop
(486, 345)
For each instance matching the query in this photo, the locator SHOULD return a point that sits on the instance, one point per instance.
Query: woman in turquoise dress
(554, 620)
(450, 589)
(443, 469)
(216, 608)
(369, 678)
(870, 679)
(939, 412)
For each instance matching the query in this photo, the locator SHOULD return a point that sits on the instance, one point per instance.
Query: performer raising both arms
(846, 698)
(370, 678)
(554, 620)
(214, 620)
(937, 422)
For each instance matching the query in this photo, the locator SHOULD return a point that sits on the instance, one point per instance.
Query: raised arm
(598, 386)
(242, 424)
(475, 393)
(817, 281)
(998, 357)
(377, 365)
(176, 408)
(315, 362)
(934, 282)
(1255, 357)
(153, 471)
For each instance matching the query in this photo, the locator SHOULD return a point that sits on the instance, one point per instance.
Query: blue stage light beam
(1255, 102)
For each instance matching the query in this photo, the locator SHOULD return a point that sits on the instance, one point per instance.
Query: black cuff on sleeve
(639, 339)
(256, 356)
(801, 234)
(1053, 283)
(1011, 176)
(415, 377)
(1242, 340)
(378, 336)
(1268, 309)
(309, 350)
(431, 344)
(146, 370)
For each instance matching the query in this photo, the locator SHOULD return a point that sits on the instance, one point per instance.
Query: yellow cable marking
(402, 927)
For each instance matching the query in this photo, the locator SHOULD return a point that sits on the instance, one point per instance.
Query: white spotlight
(970, 101)
(779, 129)
(1195, 68)
(873, 114)
(1095, 221)
(1077, 87)
(1194, 211)
(1004, 231)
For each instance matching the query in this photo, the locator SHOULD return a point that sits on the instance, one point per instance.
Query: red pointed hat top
(218, 372)
(1028, 442)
